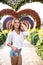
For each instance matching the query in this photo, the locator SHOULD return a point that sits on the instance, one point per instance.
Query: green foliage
(17, 5)
(3, 36)
(34, 38)
(39, 47)
(1, 40)
(0, 30)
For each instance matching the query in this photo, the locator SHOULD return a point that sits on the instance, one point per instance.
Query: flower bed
(3, 35)
(39, 45)
(36, 38)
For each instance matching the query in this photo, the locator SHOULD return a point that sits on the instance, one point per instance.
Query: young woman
(16, 36)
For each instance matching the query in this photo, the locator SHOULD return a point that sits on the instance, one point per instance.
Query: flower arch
(33, 14)
(20, 14)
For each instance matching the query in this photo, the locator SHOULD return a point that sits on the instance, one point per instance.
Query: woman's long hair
(12, 27)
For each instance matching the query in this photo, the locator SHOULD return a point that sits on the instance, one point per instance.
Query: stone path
(29, 55)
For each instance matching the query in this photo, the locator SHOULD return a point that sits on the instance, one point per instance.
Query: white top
(17, 39)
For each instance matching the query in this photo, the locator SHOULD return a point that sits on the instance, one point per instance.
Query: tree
(17, 3)
(38, 1)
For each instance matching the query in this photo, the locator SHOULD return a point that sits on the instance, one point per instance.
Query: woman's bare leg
(19, 60)
(14, 60)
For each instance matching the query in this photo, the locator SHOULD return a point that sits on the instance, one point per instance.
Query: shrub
(3, 35)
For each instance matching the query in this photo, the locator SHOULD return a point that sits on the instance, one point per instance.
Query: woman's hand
(23, 27)
(14, 48)
(9, 44)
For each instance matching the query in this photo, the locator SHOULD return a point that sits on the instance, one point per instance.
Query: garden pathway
(29, 55)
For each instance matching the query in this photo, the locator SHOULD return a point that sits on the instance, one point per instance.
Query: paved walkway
(29, 55)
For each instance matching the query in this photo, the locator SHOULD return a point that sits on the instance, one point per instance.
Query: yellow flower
(42, 34)
(5, 31)
(40, 30)
(32, 30)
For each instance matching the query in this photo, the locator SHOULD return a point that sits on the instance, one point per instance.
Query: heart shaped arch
(33, 14)
(26, 12)
(8, 12)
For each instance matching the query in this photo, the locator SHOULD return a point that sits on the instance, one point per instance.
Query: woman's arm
(8, 42)
(24, 29)
(14, 48)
